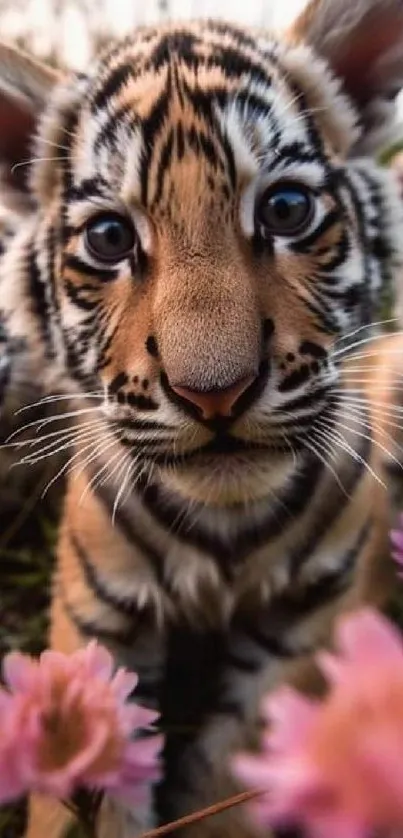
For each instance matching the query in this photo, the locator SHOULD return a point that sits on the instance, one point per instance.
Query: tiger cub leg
(266, 650)
(97, 577)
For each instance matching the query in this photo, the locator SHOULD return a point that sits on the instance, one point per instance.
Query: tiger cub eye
(110, 237)
(285, 209)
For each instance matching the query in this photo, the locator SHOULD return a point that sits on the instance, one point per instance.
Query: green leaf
(75, 830)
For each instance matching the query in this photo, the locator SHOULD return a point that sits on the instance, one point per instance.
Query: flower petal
(366, 637)
(98, 660)
(342, 826)
(291, 717)
(19, 671)
(39, 748)
(124, 683)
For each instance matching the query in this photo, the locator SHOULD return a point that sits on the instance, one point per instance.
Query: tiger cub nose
(216, 402)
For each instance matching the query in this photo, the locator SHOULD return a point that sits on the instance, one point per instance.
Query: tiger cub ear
(362, 41)
(25, 87)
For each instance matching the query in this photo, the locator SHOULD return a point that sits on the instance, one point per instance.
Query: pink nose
(214, 402)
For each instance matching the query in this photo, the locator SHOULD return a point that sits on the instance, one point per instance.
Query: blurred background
(68, 31)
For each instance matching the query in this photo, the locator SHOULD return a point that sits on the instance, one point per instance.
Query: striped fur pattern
(209, 542)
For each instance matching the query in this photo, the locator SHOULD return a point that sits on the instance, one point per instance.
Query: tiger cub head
(204, 227)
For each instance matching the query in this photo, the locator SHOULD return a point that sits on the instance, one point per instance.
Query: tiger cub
(206, 241)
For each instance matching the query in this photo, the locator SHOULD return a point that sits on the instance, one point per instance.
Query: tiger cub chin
(205, 243)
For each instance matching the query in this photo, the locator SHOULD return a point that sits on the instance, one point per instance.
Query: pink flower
(11, 785)
(396, 537)
(70, 725)
(336, 767)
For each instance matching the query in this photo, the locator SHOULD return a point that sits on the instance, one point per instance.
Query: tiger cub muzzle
(218, 407)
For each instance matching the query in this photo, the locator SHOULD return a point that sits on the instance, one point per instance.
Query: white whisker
(129, 471)
(376, 408)
(371, 339)
(57, 417)
(326, 450)
(340, 440)
(93, 444)
(95, 479)
(23, 163)
(59, 397)
(366, 326)
(55, 447)
(54, 145)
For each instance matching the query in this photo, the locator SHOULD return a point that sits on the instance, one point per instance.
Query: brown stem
(214, 809)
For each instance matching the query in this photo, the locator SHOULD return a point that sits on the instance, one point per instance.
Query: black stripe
(108, 132)
(67, 131)
(104, 345)
(141, 425)
(365, 250)
(112, 85)
(295, 379)
(151, 127)
(310, 400)
(39, 301)
(303, 245)
(74, 356)
(77, 294)
(202, 101)
(181, 42)
(235, 65)
(296, 152)
(343, 248)
(77, 264)
(141, 402)
(334, 582)
(285, 611)
(274, 646)
(315, 136)
(337, 502)
(180, 141)
(125, 522)
(98, 586)
(54, 301)
(307, 347)
(325, 321)
(183, 520)
(120, 380)
(164, 161)
(241, 38)
(231, 167)
(298, 603)
(92, 628)
(208, 149)
(295, 423)
(69, 231)
(93, 187)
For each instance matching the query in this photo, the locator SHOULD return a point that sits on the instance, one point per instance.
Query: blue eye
(285, 209)
(109, 237)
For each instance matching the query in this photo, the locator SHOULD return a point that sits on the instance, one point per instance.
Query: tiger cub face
(204, 235)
